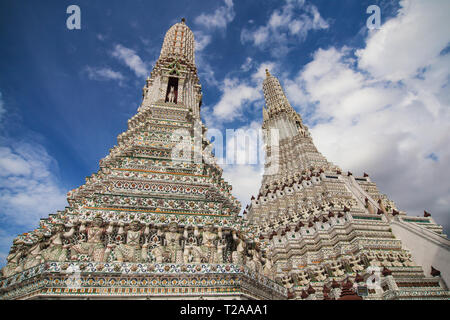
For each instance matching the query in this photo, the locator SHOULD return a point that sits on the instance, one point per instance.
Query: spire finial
(267, 73)
(183, 20)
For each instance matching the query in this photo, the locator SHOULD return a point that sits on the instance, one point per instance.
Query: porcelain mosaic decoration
(150, 225)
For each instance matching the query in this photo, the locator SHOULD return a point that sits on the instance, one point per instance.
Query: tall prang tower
(332, 235)
(157, 220)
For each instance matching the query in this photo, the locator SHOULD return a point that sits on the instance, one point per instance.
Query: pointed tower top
(179, 43)
(276, 100)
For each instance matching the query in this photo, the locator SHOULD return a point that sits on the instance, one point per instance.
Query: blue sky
(376, 101)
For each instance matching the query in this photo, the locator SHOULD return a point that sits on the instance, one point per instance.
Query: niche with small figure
(172, 90)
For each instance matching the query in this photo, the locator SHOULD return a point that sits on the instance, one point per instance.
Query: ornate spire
(298, 151)
(276, 100)
(179, 43)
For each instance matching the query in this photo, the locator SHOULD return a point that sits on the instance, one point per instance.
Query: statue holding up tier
(94, 247)
(219, 255)
(157, 245)
(287, 280)
(172, 239)
(319, 273)
(191, 250)
(355, 264)
(303, 278)
(238, 256)
(56, 251)
(337, 269)
(131, 251)
(34, 256)
(268, 269)
(16, 252)
(254, 263)
(208, 247)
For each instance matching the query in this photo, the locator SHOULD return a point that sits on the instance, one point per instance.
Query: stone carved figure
(302, 278)
(288, 282)
(156, 242)
(168, 247)
(190, 251)
(131, 251)
(208, 249)
(268, 269)
(355, 263)
(94, 247)
(319, 273)
(56, 251)
(238, 256)
(13, 259)
(172, 239)
(337, 269)
(254, 263)
(34, 256)
(171, 95)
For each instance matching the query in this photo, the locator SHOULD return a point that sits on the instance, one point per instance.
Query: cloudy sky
(376, 101)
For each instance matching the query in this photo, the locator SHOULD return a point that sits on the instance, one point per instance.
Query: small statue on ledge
(171, 95)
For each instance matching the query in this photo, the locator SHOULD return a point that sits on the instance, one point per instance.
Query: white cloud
(247, 65)
(242, 160)
(238, 94)
(201, 40)
(209, 22)
(205, 70)
(219, 19)
(245, 179)
(245, 150)
(131, 59)
(103, 74)
(260, 73)
(29, 190)
(235, 95)
(29, 187)
(405, 44)
(386, 110)
(293, 21)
